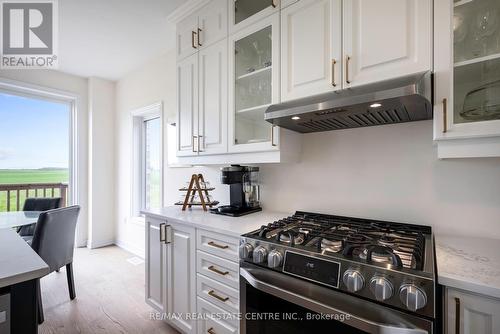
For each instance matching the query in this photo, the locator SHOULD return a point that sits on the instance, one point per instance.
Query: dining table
(13, 219)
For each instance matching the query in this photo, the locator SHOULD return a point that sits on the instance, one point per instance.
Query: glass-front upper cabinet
(254, 77)
(246, 12)
(467, 69)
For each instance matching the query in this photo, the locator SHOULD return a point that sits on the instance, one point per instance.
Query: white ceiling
(110, 38)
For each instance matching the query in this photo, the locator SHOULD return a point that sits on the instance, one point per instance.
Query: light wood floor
(109, 296)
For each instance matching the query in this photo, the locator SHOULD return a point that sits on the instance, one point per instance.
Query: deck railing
(14, 195)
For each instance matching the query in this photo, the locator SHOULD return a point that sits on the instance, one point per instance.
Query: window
(151, 197)
(147, 159)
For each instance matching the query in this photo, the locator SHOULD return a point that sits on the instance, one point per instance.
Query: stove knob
(353, 280)
(381, 288)
(412, 297)
(259, 254)
(245, 251)
(274, 259)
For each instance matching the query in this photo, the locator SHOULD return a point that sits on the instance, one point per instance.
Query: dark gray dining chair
(37, 204)
(54, 241)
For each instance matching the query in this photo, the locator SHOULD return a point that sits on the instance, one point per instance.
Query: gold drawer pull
(211, 331)
(333, 72)
(213, 294)
(445, 115)
(215, 270)
(213, 244)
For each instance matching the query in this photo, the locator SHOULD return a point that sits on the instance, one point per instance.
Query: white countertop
(235, 226)
(18, 261)
(471, 264)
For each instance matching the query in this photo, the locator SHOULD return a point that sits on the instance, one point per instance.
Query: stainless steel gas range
(313, 271)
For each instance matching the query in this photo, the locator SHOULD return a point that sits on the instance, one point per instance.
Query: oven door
(272, 302)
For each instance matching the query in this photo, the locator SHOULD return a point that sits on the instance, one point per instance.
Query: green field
(17, 176)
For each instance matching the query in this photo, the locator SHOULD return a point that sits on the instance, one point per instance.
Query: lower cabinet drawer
(224, 271)
(221, 295)
(218, 244)
(215, 320)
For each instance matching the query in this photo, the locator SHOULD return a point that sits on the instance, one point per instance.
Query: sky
(33, 133)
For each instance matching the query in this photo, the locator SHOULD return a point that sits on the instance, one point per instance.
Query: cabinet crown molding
(186, 9)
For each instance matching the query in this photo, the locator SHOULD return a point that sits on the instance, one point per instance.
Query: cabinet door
(243, 13)
(473, 313)
(386, 39)
(212, 23)
(187, 37)
(311, 42)
(182, 276)
(467, 76)
(254, 85)
(213, 99)
(156, 266)
(187, 106)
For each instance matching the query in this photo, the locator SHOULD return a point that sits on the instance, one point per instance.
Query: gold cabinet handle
(213, 244)
(273, 3)
(445, 115)
(347, 60)
(457, 315)
(199, 146)
(217, 271)
(211, 331)
(333, 72)
(162, 232)
(272, 136)
(199, 36)
(192, 143)
(213, 294)
(193, 35)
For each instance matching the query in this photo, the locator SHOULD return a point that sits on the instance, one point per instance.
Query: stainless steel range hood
(405, 99)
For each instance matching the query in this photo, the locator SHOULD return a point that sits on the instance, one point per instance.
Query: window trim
(139, 116)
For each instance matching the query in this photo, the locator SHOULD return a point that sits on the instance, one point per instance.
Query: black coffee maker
(244, 192)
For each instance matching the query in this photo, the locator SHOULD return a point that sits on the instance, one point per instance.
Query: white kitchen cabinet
(471, 313)
(386, 39)
(212, 119)
(254, 60)
(187, 106)
(467, 79)
(201, 29)
(181, 283)
(243, 13)
(212, 23)
(311, 48)
(156, 265)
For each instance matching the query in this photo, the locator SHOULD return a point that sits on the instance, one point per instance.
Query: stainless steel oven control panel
(375, 282)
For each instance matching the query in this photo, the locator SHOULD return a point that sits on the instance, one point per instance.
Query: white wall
(101, 197)
(77, 86)
(386, 172)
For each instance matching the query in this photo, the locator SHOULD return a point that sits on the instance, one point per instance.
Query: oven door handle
(354, 320)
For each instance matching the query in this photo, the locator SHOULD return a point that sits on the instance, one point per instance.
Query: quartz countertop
(471, 264)
(234, 226)
(18, 261)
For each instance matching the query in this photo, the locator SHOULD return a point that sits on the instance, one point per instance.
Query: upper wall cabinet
(201, 29)
(243, 13)
(385, 39)
(311, 48)
(467, 77)
(254, 74)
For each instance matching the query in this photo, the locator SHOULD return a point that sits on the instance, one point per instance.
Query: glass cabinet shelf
(476, 49)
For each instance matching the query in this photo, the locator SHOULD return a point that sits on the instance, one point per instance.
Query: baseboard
(99, 244)
(130, 248)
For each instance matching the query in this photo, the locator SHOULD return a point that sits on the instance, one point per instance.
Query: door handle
(199, 36)
(213, 244)
(445, 115)
(213, 294)
(347, 60)
(193, 35)
(217, 271)
(272, 135)
(333, 72)
(457, 315)
(192, 143)
(199, 146)
(162, 232)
